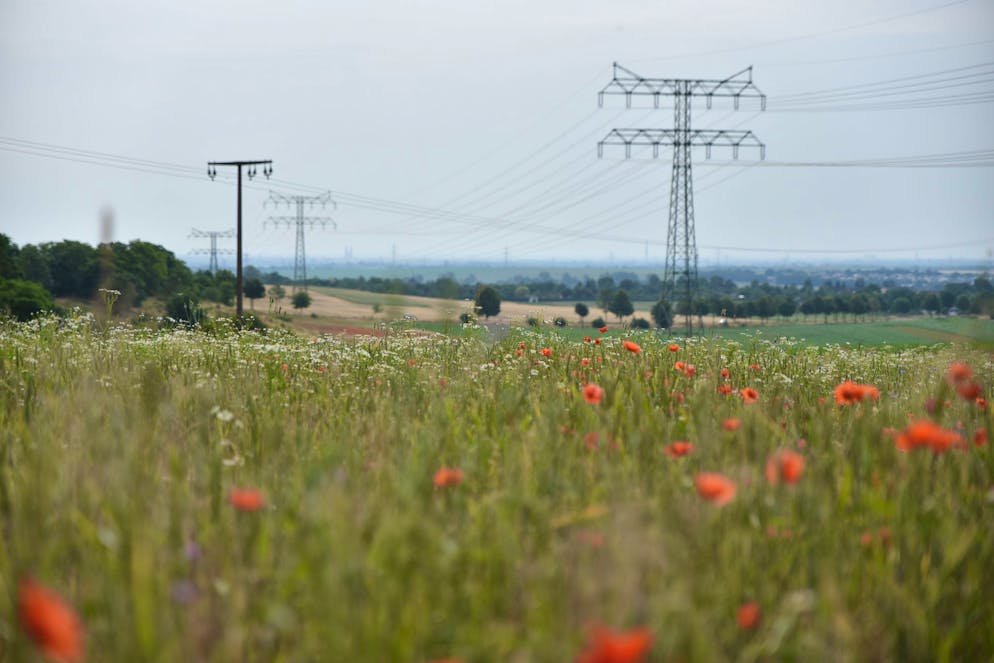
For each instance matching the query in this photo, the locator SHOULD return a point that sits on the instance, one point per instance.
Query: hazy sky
(483, 116)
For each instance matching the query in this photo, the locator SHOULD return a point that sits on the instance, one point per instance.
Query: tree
(9, 268)
(277, 292)
(581, 311)
(901, 305)
(74, 267)
(22, 299)
(787, 307)
(254, 289)
(301, 299)
(661, 314)
(931, 303)
(621, 305)
(487, 301)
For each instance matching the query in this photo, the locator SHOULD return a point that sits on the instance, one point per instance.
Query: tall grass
(120, 447)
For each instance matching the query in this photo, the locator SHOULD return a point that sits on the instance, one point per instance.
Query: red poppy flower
(246, 499)
(749, 616)
(597, 341)
(754, 367)
(546, 352)
(584, 362)
(786, 466)
(447, 477)
(606, 646)
(674, 347)
(715, 488)
(848, 393)
(587, 339)
(50, 622)
(631, 347)
(603, 329)
(731, 424)
(690, 370)
(725, 373)
(678, 449)
(979, 437)
(679, 366)
(969, 391)
(593, 393)
(724, 389)
(749, 395)
(927, 434)
(958, 372)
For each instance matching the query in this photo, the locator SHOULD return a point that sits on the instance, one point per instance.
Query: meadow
(172, 494)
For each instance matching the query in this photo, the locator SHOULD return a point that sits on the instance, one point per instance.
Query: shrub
(597, 322)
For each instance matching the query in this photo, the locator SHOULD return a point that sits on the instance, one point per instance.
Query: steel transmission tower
(680, 272)
(213, 251)
(300, 221)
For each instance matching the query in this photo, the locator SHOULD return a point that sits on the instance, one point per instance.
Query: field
(248, 496)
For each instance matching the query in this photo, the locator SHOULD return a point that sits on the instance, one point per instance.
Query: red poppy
(603, 329)
(927, 434)
(725, 373)
(969, 391)
(246, 499)
(546, 352)
(749, 616)
(606, 646)
(958, 372)
(786, 466)
(631, 347)
(678, 449)
(593, 393)
(749, 395)
(584, 362)
(731, 424)
(587, 339)
(979, 437)
(447, 477)
(715, 488)
(724, 389)
(679, 366)
(848, 393)
(754, 367)
(690, 370)
(674, 347)
(597, 341)
(50, 622)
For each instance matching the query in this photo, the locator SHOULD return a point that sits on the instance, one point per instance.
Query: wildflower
(603, 329)
(246, 499)
(958, 372)
(447, 477)
(749, 395)
(749, 616)
(979, 437)
(522, 345)
(597, 341)
(849, 392)
(593, 393)
(674, 347)
(724, 389)
(715, 488)
(631, 347)
(731, 424)
(679, 366)
(981, 404)
(928, 434)
(50, 622)
(690, 370)
(587, 339)
(786, 466)
(584, 362)
(725, 373)
(546, 352)
(678, 449)
(754, 367)
(606, 646)
(969, 391)
(592, 440)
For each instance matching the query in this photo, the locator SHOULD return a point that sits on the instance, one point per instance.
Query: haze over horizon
(455, 132)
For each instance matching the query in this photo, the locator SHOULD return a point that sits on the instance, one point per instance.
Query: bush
(533, 321)
(185, 308)
(597, 322)
(639, 323)
(23, 299)
(559, 321)
(467, 318)
(301, 299)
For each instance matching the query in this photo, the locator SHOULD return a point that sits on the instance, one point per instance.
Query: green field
(473, 498)
(369, 298)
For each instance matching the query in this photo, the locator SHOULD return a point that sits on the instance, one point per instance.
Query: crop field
(179, 495)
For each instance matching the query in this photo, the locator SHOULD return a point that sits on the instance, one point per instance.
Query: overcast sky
(485, 114)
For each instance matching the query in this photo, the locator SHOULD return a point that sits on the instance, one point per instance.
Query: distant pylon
(213, 251)
(301, 220)
(681, 242)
